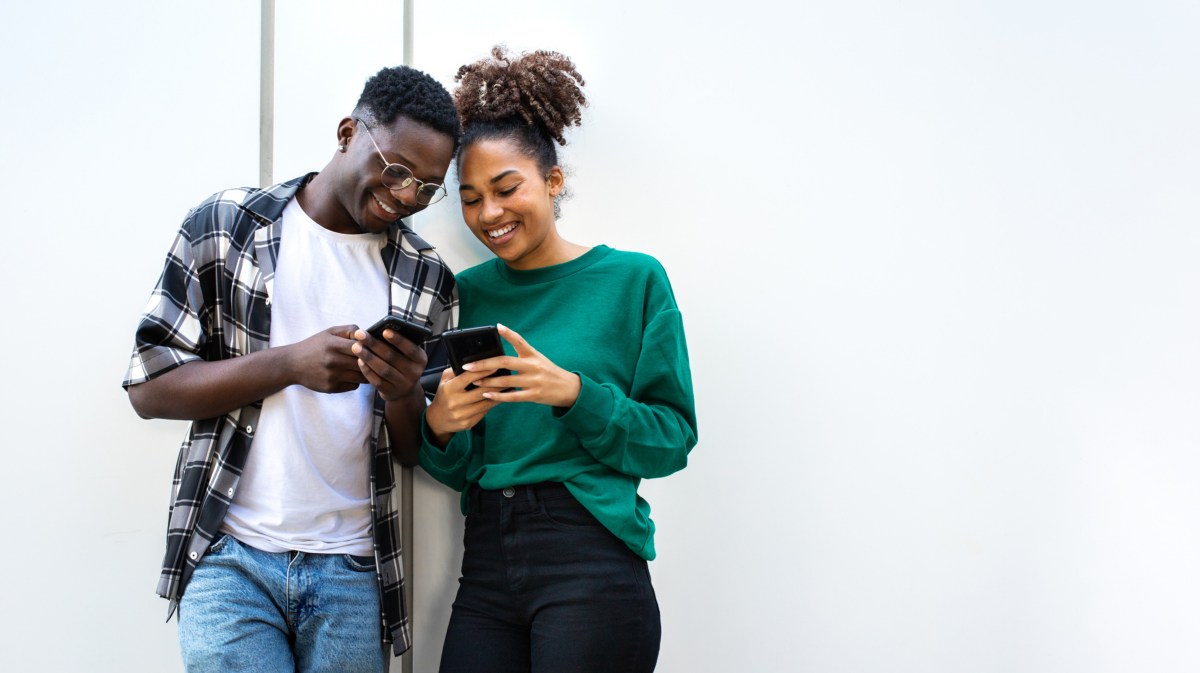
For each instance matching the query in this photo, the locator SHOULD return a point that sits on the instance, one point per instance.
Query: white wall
(118, 117)
(937, 263)
(113, 125)
(938, 267)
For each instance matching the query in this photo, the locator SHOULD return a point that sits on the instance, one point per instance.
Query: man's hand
(393, 364)
(325, 362)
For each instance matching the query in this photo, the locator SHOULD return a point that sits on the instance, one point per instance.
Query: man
(283, 551)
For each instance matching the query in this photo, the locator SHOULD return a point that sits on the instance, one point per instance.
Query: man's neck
(319, 203)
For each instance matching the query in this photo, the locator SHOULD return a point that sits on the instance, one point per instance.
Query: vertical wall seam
(406, 472)
(266, 95)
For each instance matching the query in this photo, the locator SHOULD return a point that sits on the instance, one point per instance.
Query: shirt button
(193, 555)
(268, 301)
(509, 492)
(249, 428)
(230, 492)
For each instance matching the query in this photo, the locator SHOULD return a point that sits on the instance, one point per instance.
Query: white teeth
(384, 206)
(497, 233)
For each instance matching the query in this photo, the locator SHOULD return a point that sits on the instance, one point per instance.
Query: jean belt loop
(531, 496)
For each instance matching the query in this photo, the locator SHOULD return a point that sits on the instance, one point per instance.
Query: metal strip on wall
(266, 159)
(406, 473)
(266, 95)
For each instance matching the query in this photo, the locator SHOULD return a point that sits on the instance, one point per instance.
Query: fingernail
(356, 349)
(468, 367)
(499, 326)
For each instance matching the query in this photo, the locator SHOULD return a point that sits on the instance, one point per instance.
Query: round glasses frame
(398, 177)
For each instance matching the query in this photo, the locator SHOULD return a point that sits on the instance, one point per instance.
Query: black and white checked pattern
(213, 302)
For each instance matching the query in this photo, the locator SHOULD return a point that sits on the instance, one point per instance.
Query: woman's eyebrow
(493, 181)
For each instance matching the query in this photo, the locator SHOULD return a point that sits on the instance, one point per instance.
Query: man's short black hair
(405, 91)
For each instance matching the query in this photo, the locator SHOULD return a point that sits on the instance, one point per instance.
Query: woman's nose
(490, 212)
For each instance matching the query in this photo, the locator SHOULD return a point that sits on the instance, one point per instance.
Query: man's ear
(345, 131)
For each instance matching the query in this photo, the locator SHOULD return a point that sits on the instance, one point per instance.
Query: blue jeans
(249, 610)
(546, 588)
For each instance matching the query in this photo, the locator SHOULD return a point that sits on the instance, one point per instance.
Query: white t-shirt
(306, 486)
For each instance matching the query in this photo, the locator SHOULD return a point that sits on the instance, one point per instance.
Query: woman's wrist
(436, 437)
(571, 387)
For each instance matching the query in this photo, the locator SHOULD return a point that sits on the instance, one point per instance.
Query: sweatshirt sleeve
(649, 432)
(450, 465)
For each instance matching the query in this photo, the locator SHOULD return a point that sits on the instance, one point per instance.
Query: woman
(549, 457)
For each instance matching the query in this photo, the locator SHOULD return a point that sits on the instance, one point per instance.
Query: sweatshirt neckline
(555, 272)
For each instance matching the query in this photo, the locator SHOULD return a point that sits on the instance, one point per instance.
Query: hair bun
(541, 87)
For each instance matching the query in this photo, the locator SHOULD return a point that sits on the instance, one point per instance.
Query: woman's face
(509, 204)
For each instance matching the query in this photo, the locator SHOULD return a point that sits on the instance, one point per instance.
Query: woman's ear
(554, 180)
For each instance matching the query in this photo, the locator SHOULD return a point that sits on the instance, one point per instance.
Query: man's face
(371, 205)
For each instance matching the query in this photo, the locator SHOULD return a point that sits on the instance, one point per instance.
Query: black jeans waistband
(528, 493)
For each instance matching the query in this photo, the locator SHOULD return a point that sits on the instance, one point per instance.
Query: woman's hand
(454, 408)
(534, 379)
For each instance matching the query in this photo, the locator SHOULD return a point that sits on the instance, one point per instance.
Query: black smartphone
(472, 344)
(412, 331)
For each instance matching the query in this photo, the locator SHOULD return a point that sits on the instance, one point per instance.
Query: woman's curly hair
(541, 88)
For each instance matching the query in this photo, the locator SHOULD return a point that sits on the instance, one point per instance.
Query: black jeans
(546, 589)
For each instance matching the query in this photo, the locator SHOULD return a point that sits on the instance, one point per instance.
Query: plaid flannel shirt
(213, 302)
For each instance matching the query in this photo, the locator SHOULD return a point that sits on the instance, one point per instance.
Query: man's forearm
(403, 417)
(202, 389)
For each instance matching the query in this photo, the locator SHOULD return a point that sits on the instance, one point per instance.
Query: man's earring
(342, 147)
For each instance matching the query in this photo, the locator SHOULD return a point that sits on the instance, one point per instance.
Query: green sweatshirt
(609, 316)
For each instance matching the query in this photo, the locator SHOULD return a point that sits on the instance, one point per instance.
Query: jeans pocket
(219, 543)
(567, 513)
(362, 564)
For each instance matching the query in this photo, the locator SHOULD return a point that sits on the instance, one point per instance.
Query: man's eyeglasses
(398, 176)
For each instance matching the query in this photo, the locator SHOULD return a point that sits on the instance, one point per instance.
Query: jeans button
(509, 492)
